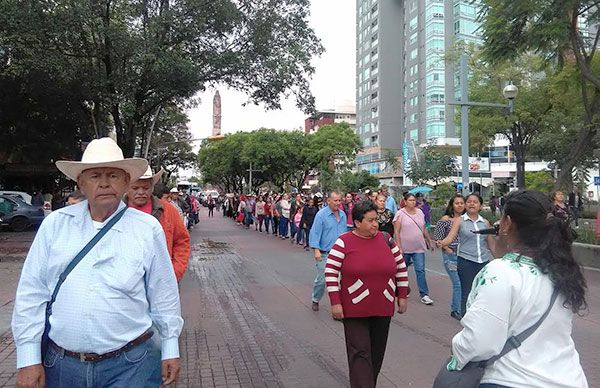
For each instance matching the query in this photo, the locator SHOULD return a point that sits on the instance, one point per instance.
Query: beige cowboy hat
(148, 175)
(103, 152)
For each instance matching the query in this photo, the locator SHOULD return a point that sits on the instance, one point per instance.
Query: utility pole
(509, 92)
(250, 170)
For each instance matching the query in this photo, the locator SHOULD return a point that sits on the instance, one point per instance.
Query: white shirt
(120, 288)
(510, 295)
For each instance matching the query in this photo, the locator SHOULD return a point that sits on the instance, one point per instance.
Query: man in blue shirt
(390, 202)
(328, 225)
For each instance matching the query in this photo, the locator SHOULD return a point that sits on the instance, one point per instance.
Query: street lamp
(510, 92)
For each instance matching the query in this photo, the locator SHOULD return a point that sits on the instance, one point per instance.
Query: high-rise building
(403, 76)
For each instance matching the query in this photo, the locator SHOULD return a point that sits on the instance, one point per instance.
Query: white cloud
(333, 83)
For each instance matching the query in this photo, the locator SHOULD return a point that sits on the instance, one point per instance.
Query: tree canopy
(432, 166)
(280, 158)
(552, 29)
(130, 59)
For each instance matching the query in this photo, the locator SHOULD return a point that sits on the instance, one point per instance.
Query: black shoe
(315, 306)
(456, 315)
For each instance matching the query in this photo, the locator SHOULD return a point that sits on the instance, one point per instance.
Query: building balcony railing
(435, 33)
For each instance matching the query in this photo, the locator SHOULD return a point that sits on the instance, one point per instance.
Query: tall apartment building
(402, 76)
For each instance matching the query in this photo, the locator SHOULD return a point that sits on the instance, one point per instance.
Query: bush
(587, 236)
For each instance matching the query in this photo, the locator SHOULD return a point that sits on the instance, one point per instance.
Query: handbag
(65, 273)
(471, 374)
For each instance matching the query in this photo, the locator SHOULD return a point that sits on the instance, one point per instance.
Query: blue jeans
(138, 367)
(418, 259)
(319, 284)
(283, 226)
(300, 236)
(451, 265)
(293, 229)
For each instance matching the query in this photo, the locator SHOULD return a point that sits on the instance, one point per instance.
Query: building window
(413, 38)
(436, 98)
(412, 25)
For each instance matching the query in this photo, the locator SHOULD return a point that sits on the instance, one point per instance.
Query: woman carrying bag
(530, 293)
(412, 236)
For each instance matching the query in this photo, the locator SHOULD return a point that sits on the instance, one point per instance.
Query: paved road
(246, 304)
(246, 299)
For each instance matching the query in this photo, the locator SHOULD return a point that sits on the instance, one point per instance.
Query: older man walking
(329, 224)
(139, 196)
(118, 287)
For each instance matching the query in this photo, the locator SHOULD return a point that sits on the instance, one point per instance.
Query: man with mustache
(139, 196)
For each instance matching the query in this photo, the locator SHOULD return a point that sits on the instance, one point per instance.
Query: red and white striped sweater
(371, 275)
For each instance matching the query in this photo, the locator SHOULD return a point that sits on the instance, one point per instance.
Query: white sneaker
(426, 300)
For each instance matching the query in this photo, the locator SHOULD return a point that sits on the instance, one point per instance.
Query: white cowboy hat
(174, 190)
(103, 153)
(148, 175)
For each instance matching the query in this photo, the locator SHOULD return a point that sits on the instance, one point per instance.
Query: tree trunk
(582, 147)
(519, 148)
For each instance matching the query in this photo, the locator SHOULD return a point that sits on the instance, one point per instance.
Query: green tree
(333, 147)
(431, 166)
(171, 142)
(552, 29)
(355, 181)
(280, 158)
(539, 180)
(530, 112)
(134, 57)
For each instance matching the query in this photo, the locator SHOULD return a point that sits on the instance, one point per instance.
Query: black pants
(467, 270)
(366, 339)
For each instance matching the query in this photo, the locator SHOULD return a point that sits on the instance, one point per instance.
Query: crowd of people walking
(364, 243)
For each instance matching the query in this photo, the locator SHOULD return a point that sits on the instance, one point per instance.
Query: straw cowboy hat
(103, 153)
(148, 175)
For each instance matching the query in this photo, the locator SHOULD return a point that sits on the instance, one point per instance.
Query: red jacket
(178, 238)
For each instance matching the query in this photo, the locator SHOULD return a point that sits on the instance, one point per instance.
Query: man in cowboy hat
(139, 196)
(101, 319)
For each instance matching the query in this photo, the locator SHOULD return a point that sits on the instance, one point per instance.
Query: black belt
(95, 357)
(323, 252)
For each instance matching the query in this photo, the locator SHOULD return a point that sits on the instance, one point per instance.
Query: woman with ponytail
(512, 293)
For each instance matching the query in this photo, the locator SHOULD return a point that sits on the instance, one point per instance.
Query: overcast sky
(333, 83)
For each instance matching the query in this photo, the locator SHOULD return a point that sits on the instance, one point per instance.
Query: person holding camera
(474, 250)
(537, 274)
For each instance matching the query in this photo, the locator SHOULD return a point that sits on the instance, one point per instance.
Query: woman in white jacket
(510, 294)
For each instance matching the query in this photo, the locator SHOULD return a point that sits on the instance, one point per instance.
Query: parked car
(27, 199)
(18, 215)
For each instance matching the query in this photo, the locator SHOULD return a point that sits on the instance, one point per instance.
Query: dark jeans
(275, 225)
(467, 270)
(284, 223)
(267, 223)
(306, 236)
(366, 339)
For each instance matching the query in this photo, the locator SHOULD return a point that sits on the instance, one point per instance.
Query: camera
(492, 231)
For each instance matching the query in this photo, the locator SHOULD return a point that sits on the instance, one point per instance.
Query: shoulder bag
(70, 267)
(470, 376)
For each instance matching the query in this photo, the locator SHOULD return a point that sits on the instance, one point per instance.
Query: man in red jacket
(139, 196)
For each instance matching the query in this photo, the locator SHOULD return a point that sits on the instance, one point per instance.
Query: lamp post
(509, 92)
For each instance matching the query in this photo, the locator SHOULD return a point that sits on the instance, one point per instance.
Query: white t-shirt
(509, 295)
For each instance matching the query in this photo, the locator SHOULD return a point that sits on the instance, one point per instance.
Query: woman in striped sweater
(373, 277)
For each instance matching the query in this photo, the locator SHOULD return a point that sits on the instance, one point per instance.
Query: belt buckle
(82, 357)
